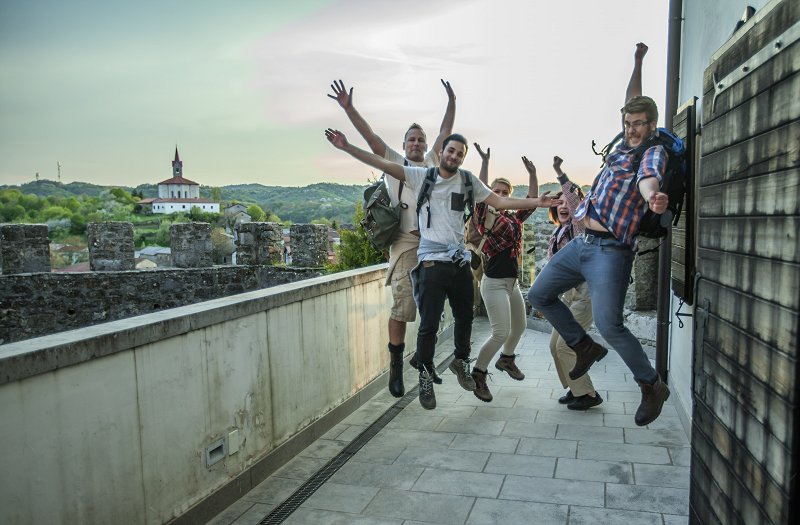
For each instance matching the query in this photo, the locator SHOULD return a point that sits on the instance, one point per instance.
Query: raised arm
(484, 174)
(635, 83)
(339, 141)
(533, 180)
(345, 100)
(567, 193)
(512, 203)
(446, 129)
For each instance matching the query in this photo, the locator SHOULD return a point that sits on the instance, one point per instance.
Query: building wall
(707, 25)
(110, 424)
(185, 207)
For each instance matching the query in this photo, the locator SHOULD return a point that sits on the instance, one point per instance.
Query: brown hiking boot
(587, 353)
(481, 388)
(460, 367)
(653, 397)
(506, 364)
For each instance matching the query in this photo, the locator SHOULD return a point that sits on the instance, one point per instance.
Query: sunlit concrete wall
(110, 423)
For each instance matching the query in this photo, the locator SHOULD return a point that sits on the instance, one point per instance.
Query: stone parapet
(25, 248)
(309, 245)
(190, 245)
(259, 243)
(111, 246)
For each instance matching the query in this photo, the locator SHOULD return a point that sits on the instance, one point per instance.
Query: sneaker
(427, 398)
(587, 353)
(413, 364)
(506, 364)
(566, 398)
(585, 402)
(481, 388)
(653, 397)
(460, 367)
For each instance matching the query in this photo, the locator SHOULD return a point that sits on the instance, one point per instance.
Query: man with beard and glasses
(603, 256)
(443, 271)
(403, 251)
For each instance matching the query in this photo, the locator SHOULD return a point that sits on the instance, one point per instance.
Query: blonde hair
(503, 180)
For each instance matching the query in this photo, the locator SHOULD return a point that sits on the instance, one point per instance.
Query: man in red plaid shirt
(603, 257)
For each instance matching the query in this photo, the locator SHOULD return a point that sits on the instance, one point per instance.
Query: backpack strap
(425, 192)
(400, 191)
(470, 200)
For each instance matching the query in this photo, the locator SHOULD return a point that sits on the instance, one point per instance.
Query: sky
(109, 89)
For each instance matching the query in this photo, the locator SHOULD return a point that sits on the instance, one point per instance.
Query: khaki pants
(580, 304)
(506, 310)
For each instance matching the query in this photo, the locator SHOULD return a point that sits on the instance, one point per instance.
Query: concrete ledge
(31, 357)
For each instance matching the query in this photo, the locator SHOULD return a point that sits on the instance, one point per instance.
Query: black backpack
(674, 181)
(427, 189)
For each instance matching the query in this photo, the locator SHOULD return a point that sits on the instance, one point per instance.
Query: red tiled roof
(147, 201)
(178, 180)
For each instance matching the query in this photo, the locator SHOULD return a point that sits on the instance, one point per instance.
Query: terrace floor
(523, 458)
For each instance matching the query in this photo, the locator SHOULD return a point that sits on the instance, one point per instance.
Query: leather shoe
(566, 398)
(585, 402)
(653, 397)
(587, 353)
(434, 375)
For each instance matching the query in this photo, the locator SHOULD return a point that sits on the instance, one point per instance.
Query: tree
(255, 212)
(354, 249)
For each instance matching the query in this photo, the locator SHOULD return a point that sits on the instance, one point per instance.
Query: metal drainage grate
(304, 491)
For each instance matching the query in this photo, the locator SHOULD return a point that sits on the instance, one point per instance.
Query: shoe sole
(482, 399)
(574, 376)
(509, 373)
(428, 408)
(583, 409)
(645, 423)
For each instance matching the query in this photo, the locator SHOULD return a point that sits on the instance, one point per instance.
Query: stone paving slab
(523, 458)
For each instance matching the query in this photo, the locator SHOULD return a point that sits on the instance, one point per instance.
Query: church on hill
(178, 194)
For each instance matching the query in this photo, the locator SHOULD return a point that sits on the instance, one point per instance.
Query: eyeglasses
(635, 124)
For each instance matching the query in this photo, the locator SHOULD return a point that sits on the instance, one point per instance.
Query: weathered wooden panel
(770, 194)
(683, 236)
(768, 279)
(771, 237)
(767, 364)
(777, 106)
(769, 322)
(776, 150)
(776, 70)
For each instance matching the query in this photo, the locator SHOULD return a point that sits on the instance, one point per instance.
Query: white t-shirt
(446, 207)
(408, 218)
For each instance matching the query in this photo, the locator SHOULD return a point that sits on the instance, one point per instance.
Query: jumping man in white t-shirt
(443, 271)
(403, 251)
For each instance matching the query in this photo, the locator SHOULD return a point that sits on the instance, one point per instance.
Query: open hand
(450, 93)
(336, 138)
(529, 166)
(484, 154)
(341, 95)
(546, 201)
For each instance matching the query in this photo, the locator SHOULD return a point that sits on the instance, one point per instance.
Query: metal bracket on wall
(786, 39)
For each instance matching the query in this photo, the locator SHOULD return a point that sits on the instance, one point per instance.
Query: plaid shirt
(615, 193)
(563, 234)
(506, 232)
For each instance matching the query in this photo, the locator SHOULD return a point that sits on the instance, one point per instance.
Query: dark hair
(642, 104)
(457, 138)
(414, 125)
(553, 212)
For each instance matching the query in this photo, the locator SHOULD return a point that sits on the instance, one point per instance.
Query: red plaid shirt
(506, 232)
(615, 193)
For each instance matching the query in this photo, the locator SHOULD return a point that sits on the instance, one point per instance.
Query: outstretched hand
(546, 201)
(658, 202)
(641, 51)
(336, 138)
(450, 93)
(341, 95)
(529, 165)
(484, 154)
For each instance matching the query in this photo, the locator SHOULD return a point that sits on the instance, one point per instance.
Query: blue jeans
(433, 283)
(605, 265)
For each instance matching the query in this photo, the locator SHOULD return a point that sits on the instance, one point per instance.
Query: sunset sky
(108, 89)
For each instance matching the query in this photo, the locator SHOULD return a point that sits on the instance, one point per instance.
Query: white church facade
(178, 194)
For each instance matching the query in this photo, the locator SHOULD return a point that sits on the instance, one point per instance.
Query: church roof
(178, 180)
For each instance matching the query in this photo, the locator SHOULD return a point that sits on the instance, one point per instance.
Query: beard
(447, 166)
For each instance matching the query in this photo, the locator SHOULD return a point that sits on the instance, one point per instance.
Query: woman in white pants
(500, 291)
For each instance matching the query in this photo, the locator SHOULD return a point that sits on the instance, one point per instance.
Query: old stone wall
(25, 248)
(259, 243)
(33, 305)
(190, 245)
(309, 245)
(111, 246)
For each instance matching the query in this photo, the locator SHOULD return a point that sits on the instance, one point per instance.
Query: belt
(596, 234)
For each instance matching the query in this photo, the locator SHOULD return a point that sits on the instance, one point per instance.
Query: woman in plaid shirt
(499, 286)
(581, 394)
